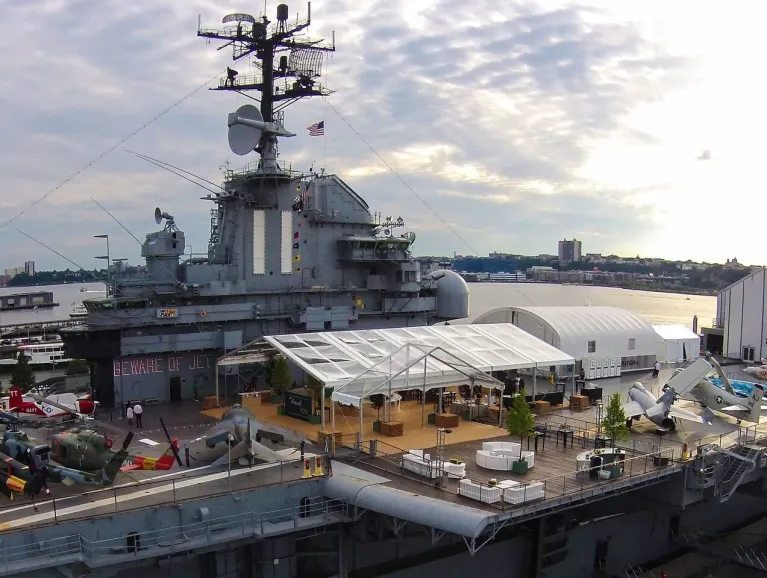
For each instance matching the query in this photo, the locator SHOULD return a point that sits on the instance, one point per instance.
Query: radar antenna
(293, 77)
(170, 224)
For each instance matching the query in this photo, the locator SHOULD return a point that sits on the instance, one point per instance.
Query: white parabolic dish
(243, 138)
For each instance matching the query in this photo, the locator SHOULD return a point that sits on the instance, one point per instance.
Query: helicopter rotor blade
(128, 439)
(172, 445)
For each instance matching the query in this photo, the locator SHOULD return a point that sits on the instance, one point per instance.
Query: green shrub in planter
(519, 467)
(431, 418)
(377, 426)
(281, 410)
(315, 419)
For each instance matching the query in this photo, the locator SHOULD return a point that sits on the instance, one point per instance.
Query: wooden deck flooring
(554, 466)
(410, 414)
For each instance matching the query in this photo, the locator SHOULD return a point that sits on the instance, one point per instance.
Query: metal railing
(67, 549)
(153, 492)
(388, 457)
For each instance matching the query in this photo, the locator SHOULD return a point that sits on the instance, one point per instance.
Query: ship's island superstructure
(289, 251)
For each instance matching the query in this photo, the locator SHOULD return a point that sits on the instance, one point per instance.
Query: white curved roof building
(607, 340)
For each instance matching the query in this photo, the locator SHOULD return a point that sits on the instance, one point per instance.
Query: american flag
(317, 129)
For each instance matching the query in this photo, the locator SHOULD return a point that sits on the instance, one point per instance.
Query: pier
(33, 300)
(36, 328)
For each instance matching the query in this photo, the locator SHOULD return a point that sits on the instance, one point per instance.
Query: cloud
(486, 112)
(705, 155)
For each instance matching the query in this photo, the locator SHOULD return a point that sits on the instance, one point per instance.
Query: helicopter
(32, 476)
(79, 448)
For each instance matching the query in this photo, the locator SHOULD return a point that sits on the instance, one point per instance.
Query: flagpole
(325, 147)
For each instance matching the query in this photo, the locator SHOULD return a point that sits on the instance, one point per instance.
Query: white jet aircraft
(662, 411)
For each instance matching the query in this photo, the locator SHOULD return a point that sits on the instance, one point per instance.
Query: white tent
(676, 343)
(360, 363)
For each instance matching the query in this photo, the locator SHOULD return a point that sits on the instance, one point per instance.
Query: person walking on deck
(138, 412)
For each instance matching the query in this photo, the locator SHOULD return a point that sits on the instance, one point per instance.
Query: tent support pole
(535, 375)
(423, 396)
(322, 407)
(333, 416)
(362, 421)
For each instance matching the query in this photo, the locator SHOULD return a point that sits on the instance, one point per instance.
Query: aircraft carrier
(289, 251)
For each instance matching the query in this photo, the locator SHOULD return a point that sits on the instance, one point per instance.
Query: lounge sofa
(422, 464)
(480, 492)
(501, 455)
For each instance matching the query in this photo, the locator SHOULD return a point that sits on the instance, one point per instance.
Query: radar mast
(293, 77)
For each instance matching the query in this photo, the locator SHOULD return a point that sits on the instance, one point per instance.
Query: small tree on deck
(22, 375)
(377, 401)
(281, 376)
(520, 421)
(614, 422)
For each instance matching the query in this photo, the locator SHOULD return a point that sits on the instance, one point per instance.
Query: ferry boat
(78, 311)
(38, 354)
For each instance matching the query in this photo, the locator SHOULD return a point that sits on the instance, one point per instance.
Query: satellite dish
(244, 136)
(157, 215)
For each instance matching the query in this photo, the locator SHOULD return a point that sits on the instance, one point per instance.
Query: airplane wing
(734, 408)
(632, 408)
(689, 377)
(288, 435)
(680, 413)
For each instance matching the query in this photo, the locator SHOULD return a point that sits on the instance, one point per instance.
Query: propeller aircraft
(727, 399)
(237, 437)
(662, 411)
(60, 405)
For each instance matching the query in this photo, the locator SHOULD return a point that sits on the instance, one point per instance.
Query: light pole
(229, 440)
(105, 257)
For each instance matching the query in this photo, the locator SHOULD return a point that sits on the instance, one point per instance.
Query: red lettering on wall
(146, 365)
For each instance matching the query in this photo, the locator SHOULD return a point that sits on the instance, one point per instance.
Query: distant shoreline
(629, 286)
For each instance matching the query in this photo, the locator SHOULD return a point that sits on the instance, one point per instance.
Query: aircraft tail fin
(755, 403)
(15, 398)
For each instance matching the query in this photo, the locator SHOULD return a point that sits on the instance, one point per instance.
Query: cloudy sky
(519, 123)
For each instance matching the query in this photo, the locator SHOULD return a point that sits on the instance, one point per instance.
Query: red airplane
(36, 407)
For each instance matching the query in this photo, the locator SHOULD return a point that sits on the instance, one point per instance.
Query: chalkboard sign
(298, 406)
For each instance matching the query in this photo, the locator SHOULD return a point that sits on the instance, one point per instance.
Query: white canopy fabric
(611, 328)
(676, 343)
(357, 362)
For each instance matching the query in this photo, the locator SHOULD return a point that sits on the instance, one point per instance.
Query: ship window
(592, 347)
(632, 344)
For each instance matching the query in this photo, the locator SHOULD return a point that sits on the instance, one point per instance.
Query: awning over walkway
(450, 354)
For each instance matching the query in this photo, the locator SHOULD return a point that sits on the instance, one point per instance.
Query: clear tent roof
(449, 354)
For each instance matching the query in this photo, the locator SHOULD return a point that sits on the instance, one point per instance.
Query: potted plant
(376, 402)
(520, 422)
(281, 380)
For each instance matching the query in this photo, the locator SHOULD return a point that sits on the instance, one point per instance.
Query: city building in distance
(569, 251)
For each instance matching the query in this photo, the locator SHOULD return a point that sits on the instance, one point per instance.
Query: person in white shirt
(656, 371)
(138, 411)
(129, 415)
